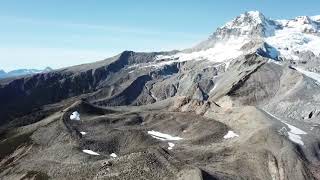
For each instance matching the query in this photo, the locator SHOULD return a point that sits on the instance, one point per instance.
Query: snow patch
(294, 129)
(75, 116)
(230, 134)
(113, 155)
(312, 75)
(295, 138)
(275, 62)
(90, 152)
(245, 25)
(171, 145)
(83, 133)
(315, 18)
(294, 37)
(163, 137)
(156, 137)
(221, 52)
(293, 134)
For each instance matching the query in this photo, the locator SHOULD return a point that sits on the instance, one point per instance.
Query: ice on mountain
(113, 155)
(290, 40)
(303, 24)
(275, 62)
(156, 137)
(230, 135)
(315, 18)
(171, 145)
(269, 51)
(293, 134)
(284, 37)
(164, 137)
(295, 138)
(90, 152)
(294, 129)
(249, 21)
(221, 52)
(312, 75)
(258, 16)
(75, 116)
(273, 53)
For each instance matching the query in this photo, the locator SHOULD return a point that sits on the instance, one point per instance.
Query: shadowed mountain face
(237, 106)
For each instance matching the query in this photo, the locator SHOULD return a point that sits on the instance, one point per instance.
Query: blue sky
(58, 33)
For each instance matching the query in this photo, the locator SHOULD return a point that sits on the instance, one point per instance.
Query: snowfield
(295, 130)
(293, 134)
(312, 75)
(285, 37)
(171, 145)
(295, 138)
(230, 135)
(290, 40)
(90, 152)
(221, 52)
(75, 116)
(113, 155)
(315, 18)
(163, 137)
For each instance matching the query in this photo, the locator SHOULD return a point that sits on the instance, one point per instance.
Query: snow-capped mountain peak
(303, 19)
(251, 24)
(248, 18)
(315, 18)
(302, 24)
(296, 37)
(292, 39)
(285, 37)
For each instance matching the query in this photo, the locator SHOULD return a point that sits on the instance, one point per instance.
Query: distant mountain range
(21, 72)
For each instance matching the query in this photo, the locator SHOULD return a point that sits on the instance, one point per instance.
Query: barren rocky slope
(237, 106)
